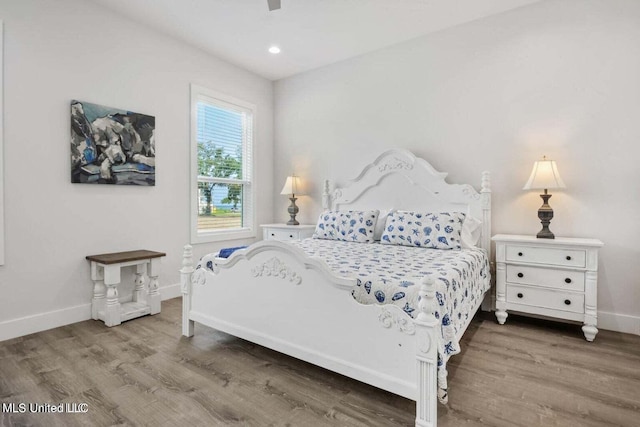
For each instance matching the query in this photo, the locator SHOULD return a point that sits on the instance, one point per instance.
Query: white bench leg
(154, 291)
(139, 292)
(112, 307)
(113, 312)
(99, 297)
(99, 292)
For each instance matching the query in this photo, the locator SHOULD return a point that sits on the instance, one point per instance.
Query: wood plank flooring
(525, 373)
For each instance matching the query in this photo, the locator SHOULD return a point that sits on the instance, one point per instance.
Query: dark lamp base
(545, 233)
(293, 211)
(545, 213)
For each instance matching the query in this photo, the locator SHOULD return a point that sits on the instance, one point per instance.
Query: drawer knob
(567, 280)
(273, 234)
(520, 295)
(567, 301)
(291, 236)
(519, 253)
(568, 257)
(520, 275)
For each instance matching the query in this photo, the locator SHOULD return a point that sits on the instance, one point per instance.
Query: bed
(337, 304)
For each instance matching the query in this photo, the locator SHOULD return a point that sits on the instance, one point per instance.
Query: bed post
(427, 356)
(326, 196)
(485, 196)
(185, 281)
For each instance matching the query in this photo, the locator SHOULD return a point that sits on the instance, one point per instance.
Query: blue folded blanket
(226, 252)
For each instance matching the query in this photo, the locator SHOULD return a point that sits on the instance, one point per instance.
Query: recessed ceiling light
(274, 49)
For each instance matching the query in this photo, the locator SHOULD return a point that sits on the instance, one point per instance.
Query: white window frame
(248, 229)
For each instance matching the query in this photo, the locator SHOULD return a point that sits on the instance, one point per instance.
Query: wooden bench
(105, 274)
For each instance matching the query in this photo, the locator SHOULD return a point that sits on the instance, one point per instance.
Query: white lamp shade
(544, 176)
(291, 185)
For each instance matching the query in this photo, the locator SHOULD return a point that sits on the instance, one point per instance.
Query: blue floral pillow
(424, 229)
(350, 226)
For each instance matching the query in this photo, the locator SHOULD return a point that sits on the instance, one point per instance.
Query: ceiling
(310, 33)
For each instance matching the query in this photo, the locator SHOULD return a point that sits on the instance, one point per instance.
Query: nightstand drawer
(275, 234)
(287, 232)
(548, 256)
(545, 298)
(567, 280)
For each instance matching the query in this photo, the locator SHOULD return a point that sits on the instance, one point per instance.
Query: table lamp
(545, 176)
(291, 188)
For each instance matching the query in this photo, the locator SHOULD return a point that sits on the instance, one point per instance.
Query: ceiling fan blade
(273, 4)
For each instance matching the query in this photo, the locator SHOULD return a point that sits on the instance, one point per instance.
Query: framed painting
(111, 146)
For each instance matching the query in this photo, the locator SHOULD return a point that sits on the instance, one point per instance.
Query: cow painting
(111, 146)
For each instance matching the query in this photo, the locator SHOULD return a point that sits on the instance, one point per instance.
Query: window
(222, 193)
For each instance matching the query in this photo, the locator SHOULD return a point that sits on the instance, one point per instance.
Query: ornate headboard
(398, 179)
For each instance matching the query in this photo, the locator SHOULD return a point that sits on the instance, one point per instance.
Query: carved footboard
(274, 295)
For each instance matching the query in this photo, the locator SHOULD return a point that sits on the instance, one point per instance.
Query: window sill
(222, 235)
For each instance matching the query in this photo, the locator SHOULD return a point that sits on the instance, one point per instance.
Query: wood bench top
(117, 257)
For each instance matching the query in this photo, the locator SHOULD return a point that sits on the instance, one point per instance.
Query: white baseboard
(41, 322)
(619, 323)
(170, 291)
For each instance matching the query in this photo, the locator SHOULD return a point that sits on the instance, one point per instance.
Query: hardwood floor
(525, 373)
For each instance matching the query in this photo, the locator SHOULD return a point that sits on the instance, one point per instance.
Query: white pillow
(471, 231)
(350, 226)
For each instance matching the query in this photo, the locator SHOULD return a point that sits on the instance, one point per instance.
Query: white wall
(557, 78)
(73, 49)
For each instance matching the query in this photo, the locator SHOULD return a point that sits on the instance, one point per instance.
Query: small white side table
(105, 274)
(287, 232)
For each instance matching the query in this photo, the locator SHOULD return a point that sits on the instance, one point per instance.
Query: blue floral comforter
(390, 274)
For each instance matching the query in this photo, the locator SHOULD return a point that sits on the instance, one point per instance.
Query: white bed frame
(274, 295)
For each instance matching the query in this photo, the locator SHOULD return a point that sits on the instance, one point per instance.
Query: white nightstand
(287, 232)
(549, 277)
